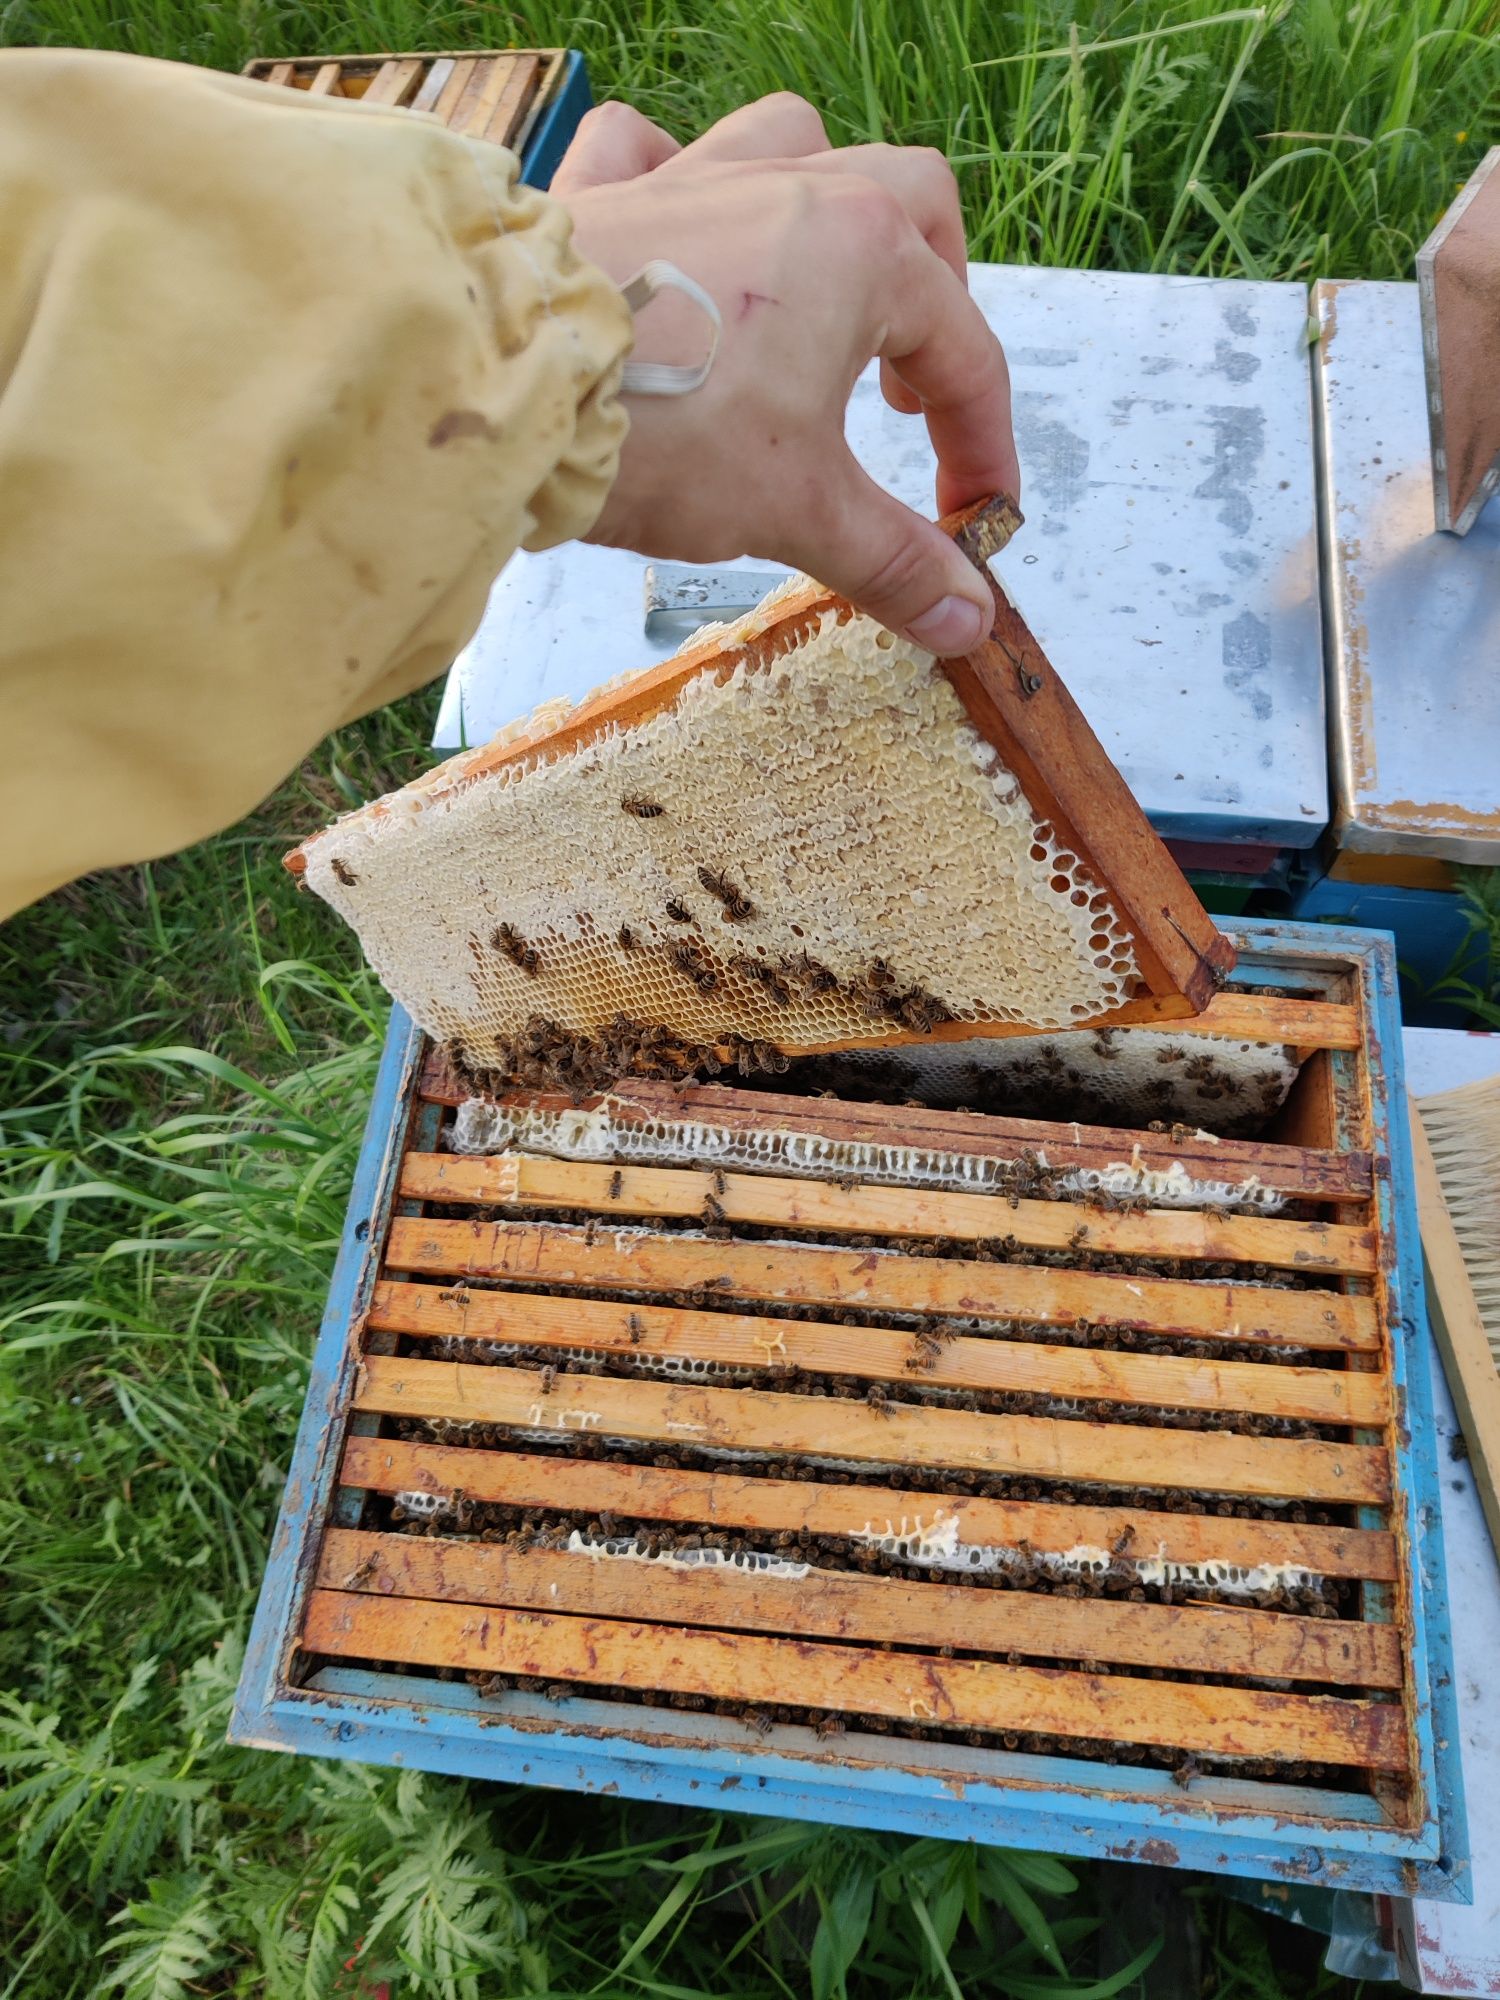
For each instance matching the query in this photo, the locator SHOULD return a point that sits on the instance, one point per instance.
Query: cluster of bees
(938, 1482)
(546, 1056)
(1043, 1083)
(829, 1724)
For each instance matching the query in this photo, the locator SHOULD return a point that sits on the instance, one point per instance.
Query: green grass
(186, 1052)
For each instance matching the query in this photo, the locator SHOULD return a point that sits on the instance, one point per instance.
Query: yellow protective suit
(284, 382)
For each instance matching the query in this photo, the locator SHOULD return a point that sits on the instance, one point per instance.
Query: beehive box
(924, 1455)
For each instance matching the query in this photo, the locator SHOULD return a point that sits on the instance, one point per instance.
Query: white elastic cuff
(665, 378)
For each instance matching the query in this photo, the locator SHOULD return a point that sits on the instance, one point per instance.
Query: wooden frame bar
(829, 1604)
(779, 1505)
(880, 1354)
(956, 1694)
(907, 1434)
(529, 1180)
(1293, 1172)
(560, 1254)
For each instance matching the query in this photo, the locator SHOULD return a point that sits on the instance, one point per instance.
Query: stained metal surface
(1442, 1948)
(1413, 615)
(1168, 564)
(1242, 1827)
(681, 596)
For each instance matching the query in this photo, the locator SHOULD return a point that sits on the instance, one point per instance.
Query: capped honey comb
(802, 833)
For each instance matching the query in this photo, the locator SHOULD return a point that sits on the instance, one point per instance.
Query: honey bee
(343, 871)
(878, 1396)
(687, 959)
(549, 1379)
(635, 1326)
(737, 905)
(719, 1183)
(830, 1725)
(819, 979)
(641, 808)
(1185, 1770)
(508, 939)
(713, 1210)
(616, 1185)
(362, 1575)
(1079, 1237)
(678, 911)
(626, 938)
(768, 977)
(879, 975)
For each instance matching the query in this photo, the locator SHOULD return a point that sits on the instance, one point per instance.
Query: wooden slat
(509, 115)
(434, 84)
(557, 1254)
(484, 93)
(775, 1505)
(523, 1179)
(1338, 1175)
(481, 79)
(959, 1694)
(758, 1420)
(742, 1341)
(281, 73)
(451, 94)
(326, 81)
(829, 1604)
(394, 82)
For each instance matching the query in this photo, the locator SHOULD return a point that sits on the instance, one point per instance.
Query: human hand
(818, 260)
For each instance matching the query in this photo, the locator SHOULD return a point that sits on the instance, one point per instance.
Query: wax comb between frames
(801, 833)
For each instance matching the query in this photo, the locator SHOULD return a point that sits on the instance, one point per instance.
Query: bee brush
(1456, 1150)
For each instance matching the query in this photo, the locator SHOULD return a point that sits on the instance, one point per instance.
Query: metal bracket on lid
(681, 593)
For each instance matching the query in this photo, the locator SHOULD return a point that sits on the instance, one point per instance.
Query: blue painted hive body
(1060, 1485)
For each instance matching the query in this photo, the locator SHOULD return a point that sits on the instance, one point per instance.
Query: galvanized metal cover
(1168, 566)
(1414, 615)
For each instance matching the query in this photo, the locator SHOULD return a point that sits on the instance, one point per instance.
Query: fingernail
(953, 625)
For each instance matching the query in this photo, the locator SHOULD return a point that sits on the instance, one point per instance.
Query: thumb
(894, 566)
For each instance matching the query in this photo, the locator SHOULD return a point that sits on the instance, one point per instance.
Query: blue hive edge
(1049, 1803)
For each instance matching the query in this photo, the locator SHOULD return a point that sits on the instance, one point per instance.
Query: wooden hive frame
(494, 94)
(1253, 1404)
(1015, 701)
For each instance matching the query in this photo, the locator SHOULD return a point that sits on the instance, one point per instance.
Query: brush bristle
(1463, 1130)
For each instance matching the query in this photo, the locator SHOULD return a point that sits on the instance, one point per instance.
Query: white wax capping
(839, 793)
